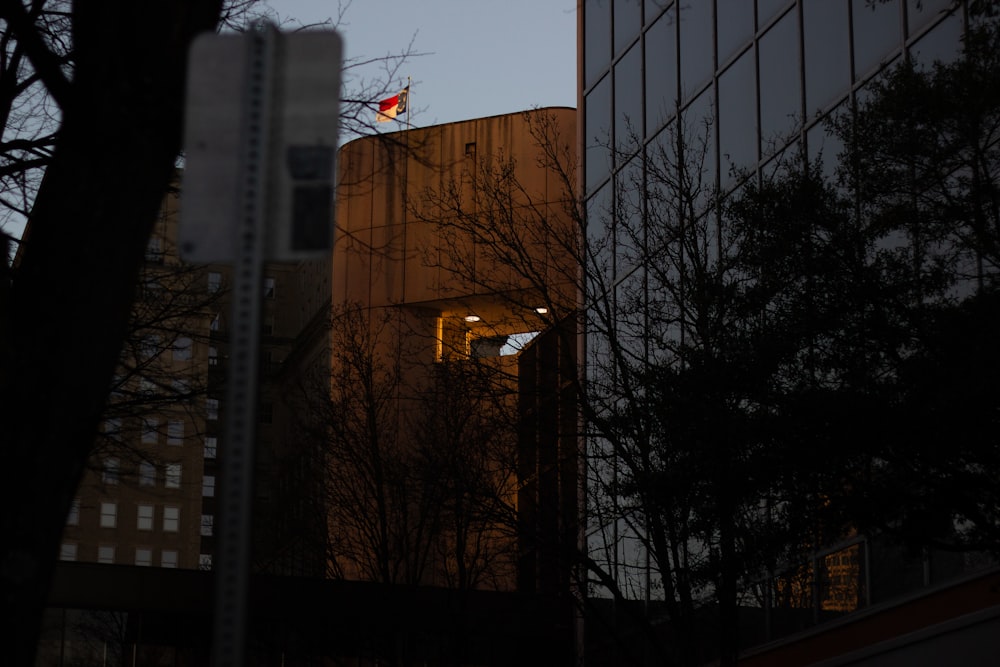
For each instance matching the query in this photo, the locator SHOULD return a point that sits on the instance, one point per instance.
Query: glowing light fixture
(541, 310)
(472, 318)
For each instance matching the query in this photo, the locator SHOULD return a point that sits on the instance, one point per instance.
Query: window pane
(175, 432)
(943, 44)
(73, 518)
(876, 35)
(598, 133)
(207, 521)
(143, 557)
(628, 102)
(628, 22)
(109, 515)
(780, 92)
(214, 281)
(208, 486)
(168, 558)
(827, 53)
(697, 58)
(109, 472)
(150, 433)
(106, 553)
(67, 551)
(735, 26)
(921, 12)
(172, 479)
(182, 349)
(144, 517)
(738, 116)
(661, 72)
(768, 9)
(597, 36)
(171, 519)
(147, 474)
(210, 447)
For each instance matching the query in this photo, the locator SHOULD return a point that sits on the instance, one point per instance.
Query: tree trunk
(72, 290)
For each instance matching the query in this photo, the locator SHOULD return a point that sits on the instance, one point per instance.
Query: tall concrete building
(738, 85)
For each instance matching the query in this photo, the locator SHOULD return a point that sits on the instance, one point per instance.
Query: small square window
(214, 282)
(204, 561)
(171, 519)
(109, 471)
(208, 486)
(109, 515)
(144, 517)
(211, 445)
(67, 551)
(147, 474)
(143, 556)
(150, 431)
(175, 432)
(172, 479)
(181, 349)
(213, 356)
(106, 553)
(168, 558)
(212, 409)
(73, 518)
(207, 524)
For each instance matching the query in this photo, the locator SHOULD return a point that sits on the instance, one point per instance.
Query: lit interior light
(472, 318)
(541, 310)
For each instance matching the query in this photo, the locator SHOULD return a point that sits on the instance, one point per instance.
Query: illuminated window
(207, 524)
(204, 561)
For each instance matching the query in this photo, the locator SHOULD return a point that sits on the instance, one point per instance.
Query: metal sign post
(258, 185)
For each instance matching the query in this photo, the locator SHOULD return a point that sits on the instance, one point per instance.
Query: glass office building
(749, 81)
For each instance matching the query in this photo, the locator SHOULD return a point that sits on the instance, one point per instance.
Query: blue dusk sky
(482, 57)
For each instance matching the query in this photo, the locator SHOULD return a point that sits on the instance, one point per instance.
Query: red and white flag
(390, 107)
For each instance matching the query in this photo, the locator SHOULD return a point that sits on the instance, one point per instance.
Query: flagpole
(409, 95)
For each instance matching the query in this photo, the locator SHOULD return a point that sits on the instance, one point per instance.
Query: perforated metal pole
(232, 562)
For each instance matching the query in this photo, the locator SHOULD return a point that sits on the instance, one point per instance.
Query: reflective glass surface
(942, 44)
(628, 22)
(697, 61)
(597, 36)
(876, 34)
(735, 26)
(628, 101)
(661, 72)
(738, 116)
(827, 53)
(780, 89)
(598, 133)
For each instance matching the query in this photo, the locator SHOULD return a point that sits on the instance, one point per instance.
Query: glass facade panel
(780, 90)
(827, 53)
(597, 33)
(735, 27)
(628, 101)
(942, 44)
(598, 137)
(738, 116)
(600, 254)
(699, 130)
(697, 46)
(876, 34)
(921, 12)
(661, 72)
(628, 22)
(768, 9)
(653, 9)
